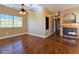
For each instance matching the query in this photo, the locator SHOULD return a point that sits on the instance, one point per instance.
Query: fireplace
(69, 31)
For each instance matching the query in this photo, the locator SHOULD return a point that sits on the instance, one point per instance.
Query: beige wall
(70, 25)
(49, 14)
(33, 23)
(12, 31)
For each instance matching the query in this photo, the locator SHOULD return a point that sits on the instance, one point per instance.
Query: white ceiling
(52, 7)
(16, 6)
(13, 5)
(57, 7)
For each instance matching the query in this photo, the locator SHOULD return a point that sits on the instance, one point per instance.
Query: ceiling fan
(25, 10)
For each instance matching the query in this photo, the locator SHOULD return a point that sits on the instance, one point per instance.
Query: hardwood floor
(27, 44)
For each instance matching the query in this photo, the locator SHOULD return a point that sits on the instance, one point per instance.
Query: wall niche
(69, 18)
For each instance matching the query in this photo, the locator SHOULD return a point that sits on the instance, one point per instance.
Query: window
(7, 21)
(17, 21)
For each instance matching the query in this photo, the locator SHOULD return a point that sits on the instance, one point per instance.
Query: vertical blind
(7, 21)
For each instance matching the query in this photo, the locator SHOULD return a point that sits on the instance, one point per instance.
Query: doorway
(56, 25)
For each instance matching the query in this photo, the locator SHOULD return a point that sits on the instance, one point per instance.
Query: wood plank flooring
(27, 44)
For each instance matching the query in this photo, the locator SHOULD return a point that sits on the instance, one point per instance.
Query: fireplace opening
(70, 31)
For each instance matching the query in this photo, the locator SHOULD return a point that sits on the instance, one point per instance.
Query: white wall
(36, 23)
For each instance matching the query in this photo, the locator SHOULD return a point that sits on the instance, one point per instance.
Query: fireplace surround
(70, 31)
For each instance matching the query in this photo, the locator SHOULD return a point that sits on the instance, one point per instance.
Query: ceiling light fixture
(22, 10)
(57, 14)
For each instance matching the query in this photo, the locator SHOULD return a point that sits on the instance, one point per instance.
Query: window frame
(12, 21)
(21, 20)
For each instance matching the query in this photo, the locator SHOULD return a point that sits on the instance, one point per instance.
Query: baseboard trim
(49, 34)
(12, 35)
(26, 33)
(40, 35)
(36, 35)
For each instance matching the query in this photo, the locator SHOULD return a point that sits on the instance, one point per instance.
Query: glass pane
(3, 19)
(6, 21)
(10, 21)
(17, 21)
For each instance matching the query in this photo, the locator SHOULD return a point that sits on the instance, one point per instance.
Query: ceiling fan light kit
(22, 10)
